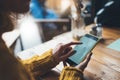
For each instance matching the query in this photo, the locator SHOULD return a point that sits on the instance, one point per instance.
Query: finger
(67, 50)
(62, 47)
(64, 57)
(64, 63)
(59, 45)
(71, 43)
(58, 48)
(84, 64)
(87, 58)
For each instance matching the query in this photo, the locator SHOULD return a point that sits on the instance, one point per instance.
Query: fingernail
(81, 43)
(74, 51)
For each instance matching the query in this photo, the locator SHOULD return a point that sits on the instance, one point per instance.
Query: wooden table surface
(104, 64)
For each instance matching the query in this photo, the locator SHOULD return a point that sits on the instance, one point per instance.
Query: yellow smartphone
(88, 43)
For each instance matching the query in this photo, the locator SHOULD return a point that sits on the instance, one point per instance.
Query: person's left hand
(63, 51)
(84, 63)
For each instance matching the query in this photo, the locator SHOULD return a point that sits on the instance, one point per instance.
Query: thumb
(84, 64)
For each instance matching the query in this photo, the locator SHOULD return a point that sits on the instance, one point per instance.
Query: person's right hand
(62, 51)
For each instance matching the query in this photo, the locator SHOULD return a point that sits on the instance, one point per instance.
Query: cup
(78, 28)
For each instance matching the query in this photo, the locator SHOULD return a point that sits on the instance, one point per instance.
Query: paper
(115, 45)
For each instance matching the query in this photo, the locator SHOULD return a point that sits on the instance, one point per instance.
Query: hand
(84, 64)
(63, 51)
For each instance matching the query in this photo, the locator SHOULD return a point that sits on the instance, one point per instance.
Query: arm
(71, 73)
(39, 65)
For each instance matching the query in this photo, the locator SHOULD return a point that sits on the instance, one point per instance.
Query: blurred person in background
(12, 68)
(39, 11)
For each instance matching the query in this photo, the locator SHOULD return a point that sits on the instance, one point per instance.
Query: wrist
(56, 59)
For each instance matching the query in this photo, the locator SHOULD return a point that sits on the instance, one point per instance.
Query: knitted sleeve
(71, 73)
(39, 65)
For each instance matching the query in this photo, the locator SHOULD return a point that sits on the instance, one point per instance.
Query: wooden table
(105, 62)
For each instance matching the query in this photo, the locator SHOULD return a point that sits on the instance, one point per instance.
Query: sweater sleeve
(39, 65)
(71, 73)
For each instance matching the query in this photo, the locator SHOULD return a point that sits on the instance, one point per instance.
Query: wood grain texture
(105, 63)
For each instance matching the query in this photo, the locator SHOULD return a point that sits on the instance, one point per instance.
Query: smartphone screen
(88, 43)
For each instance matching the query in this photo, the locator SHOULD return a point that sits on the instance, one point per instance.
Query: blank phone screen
(88, 43)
